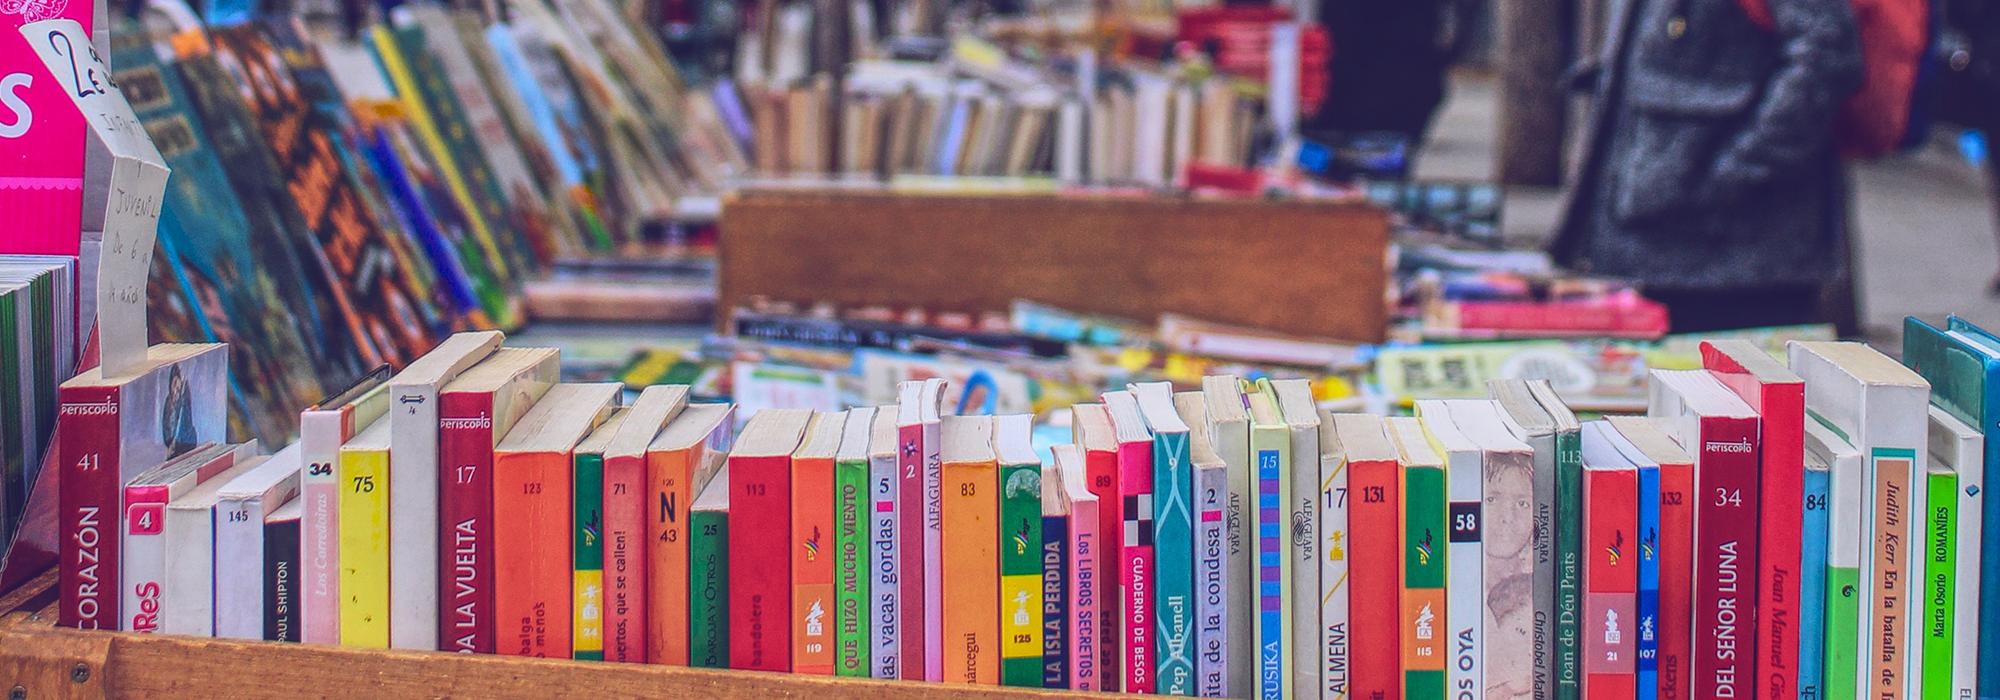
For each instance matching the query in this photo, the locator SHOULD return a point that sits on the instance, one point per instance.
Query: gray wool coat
(1709, 161)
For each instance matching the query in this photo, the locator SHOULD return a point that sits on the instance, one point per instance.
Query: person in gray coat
(1710, 177)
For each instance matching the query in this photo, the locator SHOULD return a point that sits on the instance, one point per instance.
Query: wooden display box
(1310, 270)
(39, 661)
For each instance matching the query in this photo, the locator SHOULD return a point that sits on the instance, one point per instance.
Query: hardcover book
(187, 600)
(626, 503)
(1211, 582)
(971, 550)
(1020, 551)
(1465, 604)
(813, 620)
(1086, 583)
(1722, 433)
(113, 429)
(143, 553)
(1270, 447)
(532, 579)
(1309, 528)
(1610, 566)
(851, 574)
(586, 549)
(1136, 569)
(363, 482)
(475, 412)
(1846, 524)
(708, 575)
(760, 548)
(1228, 430)
(241, 508)
(1375, 556)
(1880, 406)
(1098, 442)
(1507, 537)
(680, 463)
(1424, 618)
(1173, 537)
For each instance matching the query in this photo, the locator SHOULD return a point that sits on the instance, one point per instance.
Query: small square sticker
(144, 518)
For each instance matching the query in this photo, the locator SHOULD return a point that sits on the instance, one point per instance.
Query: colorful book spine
(760, 558)
(1088, 595)
(1055, 601)
(144, 559)
(1646, 667)
(1611, 574)
(466, 438)
(851, 574)
(1374, 572)
(321, 434)
(1104, 481)
(1173, 566)
(625, 560)
(708, 615)
(885, 568)
(814, 620)
(1271, 447)
(1021, 575)
(532, 603)
(1940, 582)
(972, 572)
(1569, 563)
(1677, 507)
(1892, 474)
(1423, 617)
(676, 479)
(1781, 410)
(587, 557)
(1812, 582)
(364, 546)
(1987, 569)
(1136, 572)
(1725, 557)
(1211, 584)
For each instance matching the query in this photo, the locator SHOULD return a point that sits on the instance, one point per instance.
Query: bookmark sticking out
(121, 210)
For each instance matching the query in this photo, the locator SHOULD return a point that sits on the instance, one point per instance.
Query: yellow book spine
(364, 547)
(427, 131)
(971, 573)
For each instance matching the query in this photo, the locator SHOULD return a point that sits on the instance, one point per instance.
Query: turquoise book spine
(1812, 586)
(1173, 544)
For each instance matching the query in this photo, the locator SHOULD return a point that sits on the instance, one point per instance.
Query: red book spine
(1611, 584)
(1100, 467)
(760, 565)
(532, 576)
(1374, 576)
(1676, 580)
(910, 545)
(1137, 567)
(465, 517)
(625, 559)
(1781, 408)
(88, 498)
(1725, 546)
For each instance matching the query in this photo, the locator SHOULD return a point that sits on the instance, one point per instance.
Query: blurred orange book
(971, 566)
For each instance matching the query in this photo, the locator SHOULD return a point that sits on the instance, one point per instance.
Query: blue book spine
(1173, 547)
(1989, 562)
(1270, 577)
(1055, 601)
(1647, 666)
(1812, 586)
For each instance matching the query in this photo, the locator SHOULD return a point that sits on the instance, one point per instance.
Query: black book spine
(281, 580)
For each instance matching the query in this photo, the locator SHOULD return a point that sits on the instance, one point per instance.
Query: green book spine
(1843, 615)
(1940, 579)
(588, 555)
(11, 435)
(1021, 575)
(1569, 564)
(850, 595)
(1424, 572)
(708, 594)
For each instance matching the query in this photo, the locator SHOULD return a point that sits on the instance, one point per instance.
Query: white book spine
(1232, 442)
(239, 569)
(1971, 498)
(1306, 535)
(884, 560)
(143, 565)
(187, 605)
(320, 437)
(933, 551)
(1332, 591)
(413, 516)
(1212, 613)
(1069, 142)
(1465, 584)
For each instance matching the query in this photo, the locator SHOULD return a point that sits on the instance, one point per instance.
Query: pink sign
(41, 138)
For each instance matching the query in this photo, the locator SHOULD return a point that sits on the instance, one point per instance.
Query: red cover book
(474, 412)
(1137, 568)
(919, 530)
(1722, 433)
(533, 486)
(760, 561)
(1374, 568)
(1611, 581)
(1676, 551)
(111, 430)
(627, 549)
(1779, 398)
(1100, 458)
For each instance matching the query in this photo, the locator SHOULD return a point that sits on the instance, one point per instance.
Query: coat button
(1676, 27)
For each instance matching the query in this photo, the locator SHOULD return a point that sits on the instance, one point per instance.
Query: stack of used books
(1811, 525)
(37, 342)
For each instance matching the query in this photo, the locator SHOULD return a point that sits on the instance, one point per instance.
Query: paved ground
(1925, 229)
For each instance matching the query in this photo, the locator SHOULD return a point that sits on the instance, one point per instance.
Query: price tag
(125, 182)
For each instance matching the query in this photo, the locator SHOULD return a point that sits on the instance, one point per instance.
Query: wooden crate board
(1311, 270)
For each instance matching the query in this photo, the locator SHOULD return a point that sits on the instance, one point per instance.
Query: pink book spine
(625, 559)
(933, 614)
(1086, 595)
(910, 532)
(41, 178)
(1135, 572)
(320, 435)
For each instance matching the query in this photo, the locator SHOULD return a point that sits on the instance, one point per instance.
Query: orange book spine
(812, 566)
(669, 474)
(531, 557)
(971, 574)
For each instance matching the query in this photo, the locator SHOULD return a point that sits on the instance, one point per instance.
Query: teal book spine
(850, 568)
(1173, 544)
(1021, 573)
(1812, 586)
(1988, 423)
(1569, 562)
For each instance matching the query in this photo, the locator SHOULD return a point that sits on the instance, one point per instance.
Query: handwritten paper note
(125, 181)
